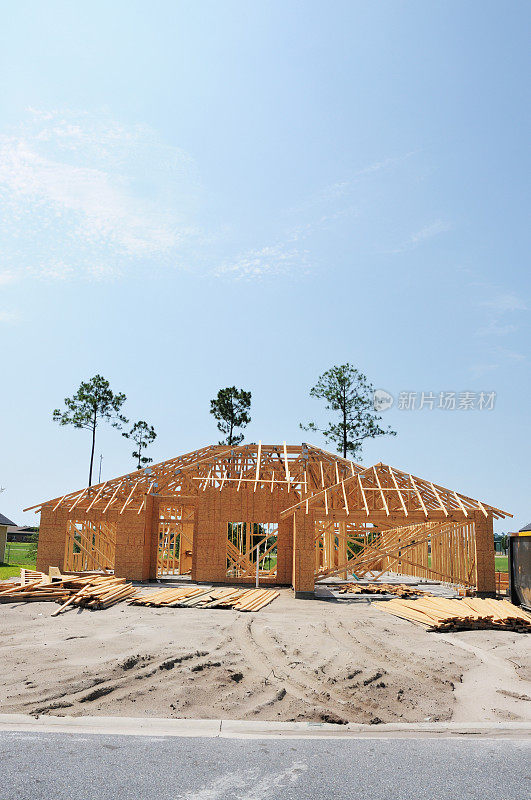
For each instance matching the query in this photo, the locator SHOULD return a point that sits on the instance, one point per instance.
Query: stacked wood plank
(441, 614)
(400, 589)
(38, 590)
(168, 597)
(93, 591)
(199, 597)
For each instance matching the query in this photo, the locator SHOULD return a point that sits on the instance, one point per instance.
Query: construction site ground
(326, 660)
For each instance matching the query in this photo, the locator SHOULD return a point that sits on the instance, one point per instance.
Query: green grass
(12, 570)
(18, 553)
(16, 556)
(502, 563)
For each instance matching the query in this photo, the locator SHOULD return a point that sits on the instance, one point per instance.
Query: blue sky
(199, 194)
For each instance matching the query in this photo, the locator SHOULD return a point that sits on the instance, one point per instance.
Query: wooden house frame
(289, 514)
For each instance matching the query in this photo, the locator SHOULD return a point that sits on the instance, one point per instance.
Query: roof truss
(294, 469)
(382, 491)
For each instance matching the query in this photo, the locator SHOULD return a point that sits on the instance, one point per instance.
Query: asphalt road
(57, 766)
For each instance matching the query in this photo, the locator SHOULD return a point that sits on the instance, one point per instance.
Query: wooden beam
(421, 501)
(363, 494)
(345, 497)
(437, 495)
(96, 496)
(128, 499)
(398, 490)
(463, 509)
(207, 479)
(384, 501)
(259, 456)
(80, 495)
(112, 498)
(286, 464)
(56, 506)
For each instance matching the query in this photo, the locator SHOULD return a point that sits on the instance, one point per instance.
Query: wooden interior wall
(453, 554)
(446, 554)
(462, 552)
(216, 509)
(89, 545)
(175, 532)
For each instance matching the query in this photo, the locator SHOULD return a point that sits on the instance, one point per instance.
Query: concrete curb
(243, 729)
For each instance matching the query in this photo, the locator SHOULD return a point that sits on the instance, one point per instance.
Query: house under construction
(285, 514)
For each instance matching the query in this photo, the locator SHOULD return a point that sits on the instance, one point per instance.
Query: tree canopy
(349, 395)
(93, 401)
(142, 435)
(231, 409)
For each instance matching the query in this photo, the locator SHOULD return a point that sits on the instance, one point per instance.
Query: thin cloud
(342, 188)
(265, 262)
(502, 302)
(494, 328)
(8, 317)
(502, 307)
(91, 196)
(513, 356)
(423, 235)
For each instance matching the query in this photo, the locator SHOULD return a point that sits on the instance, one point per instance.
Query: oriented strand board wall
(52, 537)
(137, 534)
(133, 538)
(485, 564)
(303, 552)
(216, 509)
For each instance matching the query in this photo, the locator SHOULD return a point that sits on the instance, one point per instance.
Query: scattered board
(468, 613)
(199, 597)
(94, 591)
(401, 589)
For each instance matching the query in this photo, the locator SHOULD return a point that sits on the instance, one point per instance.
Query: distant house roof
(6, 521)
(20, 529)
(527, 527)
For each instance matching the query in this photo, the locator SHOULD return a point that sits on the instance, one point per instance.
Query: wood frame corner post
(485, 564)
(303, 555)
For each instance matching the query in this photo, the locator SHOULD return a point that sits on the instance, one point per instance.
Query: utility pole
(99, 476)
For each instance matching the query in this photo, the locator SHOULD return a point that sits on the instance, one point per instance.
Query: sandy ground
(294, 660)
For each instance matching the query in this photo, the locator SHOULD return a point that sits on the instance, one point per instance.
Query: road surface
(72, 766)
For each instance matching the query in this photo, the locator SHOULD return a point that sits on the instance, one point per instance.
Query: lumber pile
(38, 590)
(168, 597)
(468, 613)
(199, 597)
(93, 591)
(8, 585)
(400, 589)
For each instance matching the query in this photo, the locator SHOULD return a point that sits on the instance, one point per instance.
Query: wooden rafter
(305, 470)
